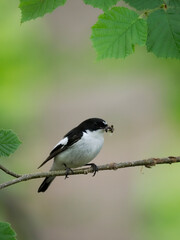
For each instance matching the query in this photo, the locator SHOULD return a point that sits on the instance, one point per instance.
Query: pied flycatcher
(77, 148)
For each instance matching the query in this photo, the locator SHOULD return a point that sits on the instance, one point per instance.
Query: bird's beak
(109, 129)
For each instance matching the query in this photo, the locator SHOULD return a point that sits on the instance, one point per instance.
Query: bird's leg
(94, 167)
(68, 170)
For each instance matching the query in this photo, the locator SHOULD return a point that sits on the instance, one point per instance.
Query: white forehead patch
(105, 123)
(64, 141)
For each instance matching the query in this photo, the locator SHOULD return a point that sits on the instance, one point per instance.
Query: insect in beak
(109, 129)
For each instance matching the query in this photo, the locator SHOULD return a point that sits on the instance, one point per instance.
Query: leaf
(144, 4)
(174, 3)
(117, 31)
(31, 9)
(6, 232)
(164, 33)
(9, 142)
(102, 4)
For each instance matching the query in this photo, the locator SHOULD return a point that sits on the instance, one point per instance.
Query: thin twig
(9, 172)
(112, 166)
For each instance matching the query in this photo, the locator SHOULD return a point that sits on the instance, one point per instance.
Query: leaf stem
(147, 12)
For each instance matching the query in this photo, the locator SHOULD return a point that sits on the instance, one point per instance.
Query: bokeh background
(50, 81)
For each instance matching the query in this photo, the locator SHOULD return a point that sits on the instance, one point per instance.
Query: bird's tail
(45, 184)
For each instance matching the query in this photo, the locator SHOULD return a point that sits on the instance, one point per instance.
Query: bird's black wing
(73, 136)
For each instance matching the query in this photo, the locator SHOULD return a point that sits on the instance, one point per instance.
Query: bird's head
(94, 124)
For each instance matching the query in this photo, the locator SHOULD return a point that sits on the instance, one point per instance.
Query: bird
(77, 148)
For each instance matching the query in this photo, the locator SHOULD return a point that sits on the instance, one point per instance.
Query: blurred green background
(49, 82)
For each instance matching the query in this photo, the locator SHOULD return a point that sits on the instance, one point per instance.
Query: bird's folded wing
(72, 138)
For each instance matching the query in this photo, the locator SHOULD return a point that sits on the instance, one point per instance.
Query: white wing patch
(63, 142)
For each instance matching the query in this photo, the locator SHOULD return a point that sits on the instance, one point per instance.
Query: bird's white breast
(81, 152)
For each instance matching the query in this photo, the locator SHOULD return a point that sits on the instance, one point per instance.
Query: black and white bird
(78, 147)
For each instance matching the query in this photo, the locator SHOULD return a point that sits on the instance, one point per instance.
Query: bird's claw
(94, 167)
(68, 171)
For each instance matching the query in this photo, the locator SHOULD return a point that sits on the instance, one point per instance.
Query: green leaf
(102, 4)
(144, 4)
(117, 31)
(9, 142)
(6, 232)
(164, 33)
(174, 3)
(31, 9)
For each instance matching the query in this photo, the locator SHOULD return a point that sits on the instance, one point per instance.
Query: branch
(111, 166)
(9, 172)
